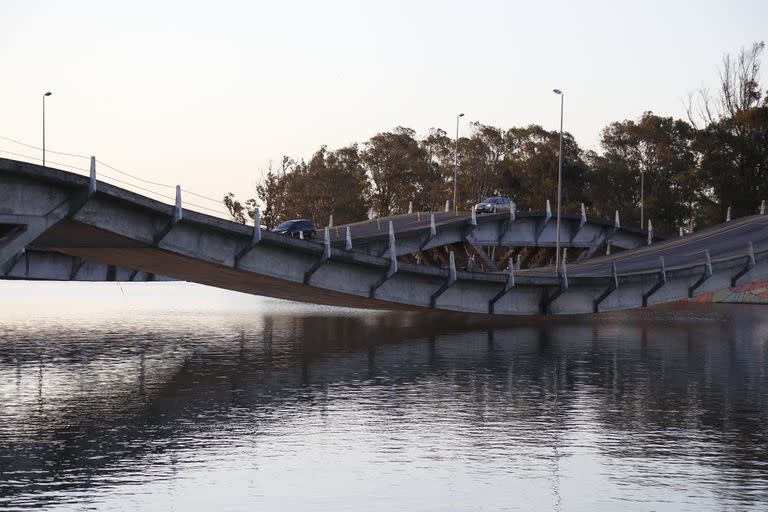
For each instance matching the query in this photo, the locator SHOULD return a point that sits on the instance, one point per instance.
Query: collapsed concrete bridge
(56, 225)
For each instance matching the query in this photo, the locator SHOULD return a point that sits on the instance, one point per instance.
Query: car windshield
(494, 200)
(287, 224)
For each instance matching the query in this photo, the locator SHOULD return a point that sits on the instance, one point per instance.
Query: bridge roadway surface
(722, 241)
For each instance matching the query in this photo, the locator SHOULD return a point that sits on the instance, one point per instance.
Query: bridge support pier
(706, 275)
(656, 287)
(749, 266)
(612, 288)
(432, 232)
(325, 257)
(480, 252)
(507, 287)
(12, 247)
(582, 221)
(255, 238)
(77, 264)
(508, 222)
(547, 217)
(451, 279)
(547, 299)
(175, 218)
(9, 265)
(392, 264)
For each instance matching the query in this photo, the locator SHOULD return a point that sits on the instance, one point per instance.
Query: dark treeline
(693, 169)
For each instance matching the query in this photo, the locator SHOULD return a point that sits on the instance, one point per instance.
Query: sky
(206, 94)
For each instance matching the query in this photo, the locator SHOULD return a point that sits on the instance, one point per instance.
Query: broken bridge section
(62, 226)
(492, 242)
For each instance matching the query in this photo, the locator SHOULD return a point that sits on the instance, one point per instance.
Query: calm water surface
(196, 404)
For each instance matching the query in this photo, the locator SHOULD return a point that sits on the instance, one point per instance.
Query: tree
(531, 168)
(235, 208)
(331, 183)
(272, 193)
(739, 89)
(734, 163)
(436, 181)
(733, 143)
(394, 161)
(611, 186)
(350, 189)
(661, 149)
(483, 162)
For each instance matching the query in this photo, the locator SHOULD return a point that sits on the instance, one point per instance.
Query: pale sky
(204, 94)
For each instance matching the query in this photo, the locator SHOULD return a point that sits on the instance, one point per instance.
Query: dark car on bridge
(493, 205)
(296, 226)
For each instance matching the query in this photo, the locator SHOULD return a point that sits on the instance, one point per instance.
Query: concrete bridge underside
(57, 225)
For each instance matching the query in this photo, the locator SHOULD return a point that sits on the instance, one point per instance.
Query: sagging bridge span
(56, 225)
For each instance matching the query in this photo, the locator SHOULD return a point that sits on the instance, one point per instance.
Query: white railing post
(92, 183)
(256, 226)
(510, 276)
(349, 240)
(392, 250)
(177, 211)
(650, 232)
(708, 262)
(564, 274)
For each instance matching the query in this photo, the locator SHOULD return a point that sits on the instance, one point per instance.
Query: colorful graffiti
(755, 292)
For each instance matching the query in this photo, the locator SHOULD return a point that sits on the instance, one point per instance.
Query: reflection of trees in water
(660, 390)
(695, 394)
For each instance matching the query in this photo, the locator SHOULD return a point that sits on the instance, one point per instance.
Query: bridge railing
(81, 164)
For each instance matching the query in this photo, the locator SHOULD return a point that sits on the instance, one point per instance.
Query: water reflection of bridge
(88, 405)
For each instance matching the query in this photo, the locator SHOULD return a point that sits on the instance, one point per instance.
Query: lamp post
(642, 196)
(456, 166)
(44, 96)
(559, 183)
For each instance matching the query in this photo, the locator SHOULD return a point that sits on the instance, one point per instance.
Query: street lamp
(642, 196)
(559, 183)
(456, 166)
(44, 96)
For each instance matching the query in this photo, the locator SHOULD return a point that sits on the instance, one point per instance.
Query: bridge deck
(722, 241)
(62, 226)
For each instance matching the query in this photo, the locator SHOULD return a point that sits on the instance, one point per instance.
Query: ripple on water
(295, 408)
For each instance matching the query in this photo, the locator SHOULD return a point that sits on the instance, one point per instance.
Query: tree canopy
(690, 170)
